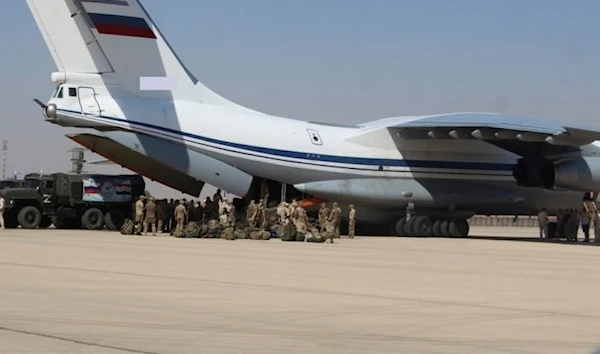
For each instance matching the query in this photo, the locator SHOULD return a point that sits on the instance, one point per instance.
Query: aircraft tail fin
(118, 40)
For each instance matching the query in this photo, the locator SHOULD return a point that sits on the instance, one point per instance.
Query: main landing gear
(427, 226)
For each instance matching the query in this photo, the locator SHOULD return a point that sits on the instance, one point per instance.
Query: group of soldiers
(568, 222)
(294, 213)
(172, 216)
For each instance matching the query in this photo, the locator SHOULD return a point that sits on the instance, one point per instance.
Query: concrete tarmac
(100, 292)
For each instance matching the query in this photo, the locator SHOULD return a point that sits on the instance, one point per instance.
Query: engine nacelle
(580, 174)
(529, 173)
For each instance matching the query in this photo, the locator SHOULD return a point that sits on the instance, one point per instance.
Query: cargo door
(87, 100)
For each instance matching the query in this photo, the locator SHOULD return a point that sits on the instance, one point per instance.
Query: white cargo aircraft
(118, 75)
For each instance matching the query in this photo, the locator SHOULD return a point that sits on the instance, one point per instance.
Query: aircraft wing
(516, 134)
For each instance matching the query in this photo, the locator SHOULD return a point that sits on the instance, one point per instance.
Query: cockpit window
(60, 93)
(72, 92)
(55, 91)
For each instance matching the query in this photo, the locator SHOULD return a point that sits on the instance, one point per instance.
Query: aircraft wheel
(444, 228)
(459, 228)
(437, 228)
(409, 228)
(422, 226)
(399, 227)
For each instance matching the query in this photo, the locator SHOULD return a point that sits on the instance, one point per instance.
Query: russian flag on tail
(122, 25)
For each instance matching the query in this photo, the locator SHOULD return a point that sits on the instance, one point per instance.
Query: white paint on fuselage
(261, 144)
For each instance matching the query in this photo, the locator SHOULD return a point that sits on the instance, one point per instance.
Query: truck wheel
(114, 219)
(46, 222)
(29, 217)
(92, 219)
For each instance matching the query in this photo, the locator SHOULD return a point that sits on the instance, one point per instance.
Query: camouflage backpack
(127, 227)
(240, 234)
(214, 229)
(260, 235)
(289, 233)
(228, 234)
(177, 232)
(315, 236)
(191, 230)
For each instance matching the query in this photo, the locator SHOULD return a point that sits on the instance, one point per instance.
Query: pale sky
(346, 61)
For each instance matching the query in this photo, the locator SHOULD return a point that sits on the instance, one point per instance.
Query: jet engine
(529, 173)
(580, 174)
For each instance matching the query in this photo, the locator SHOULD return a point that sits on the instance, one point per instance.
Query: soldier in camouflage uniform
(251, 213)
(351, 221)
(230, 213)
(323, 215)
(335, 218)
(260, 219)
(180, 218)
(300, 219)
(292, 210)
(139, 215)
(282, 213)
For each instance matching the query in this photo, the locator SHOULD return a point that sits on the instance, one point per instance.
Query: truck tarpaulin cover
(103, 189)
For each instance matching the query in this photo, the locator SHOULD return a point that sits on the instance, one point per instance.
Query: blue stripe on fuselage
(459, 165)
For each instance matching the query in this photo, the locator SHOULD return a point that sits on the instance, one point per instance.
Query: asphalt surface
(100, 292)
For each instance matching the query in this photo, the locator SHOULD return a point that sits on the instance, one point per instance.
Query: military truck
(72, 201)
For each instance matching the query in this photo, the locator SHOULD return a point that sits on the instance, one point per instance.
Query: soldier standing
(260, 214)
(575, 220)
(250, 212)
(292, 210)
(139, 215)
(281, 213)
(351, 221)
(218, 198)
(335, 218)
(543, 223)
(323, 215)
(230, 213)
(150, 218)
(596, 225)
(180, 214)
(301, 219)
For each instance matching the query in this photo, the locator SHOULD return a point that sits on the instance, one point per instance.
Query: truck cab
(30, 205)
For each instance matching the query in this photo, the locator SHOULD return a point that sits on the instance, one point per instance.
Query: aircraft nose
(50, 111)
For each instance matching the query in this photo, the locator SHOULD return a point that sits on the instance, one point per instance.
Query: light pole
(4, 152)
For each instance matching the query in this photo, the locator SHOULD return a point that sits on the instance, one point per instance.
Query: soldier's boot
(145, 232)
(153, 229)
(160, 226)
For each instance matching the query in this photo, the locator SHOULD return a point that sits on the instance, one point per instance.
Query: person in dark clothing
(191, 210)
(211, 210)
(173, 222)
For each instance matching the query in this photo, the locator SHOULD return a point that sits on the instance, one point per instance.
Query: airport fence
(520, 221)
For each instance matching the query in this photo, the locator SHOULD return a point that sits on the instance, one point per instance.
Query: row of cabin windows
(72, 92)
